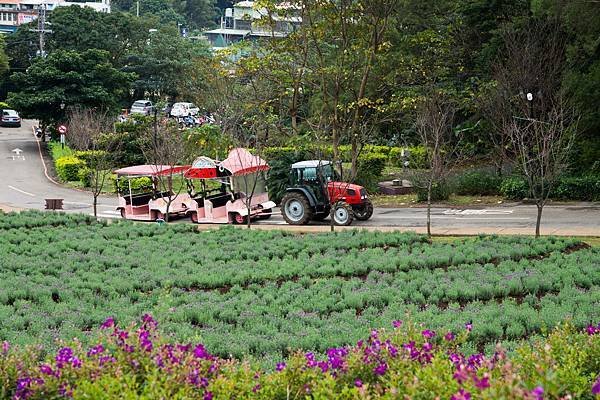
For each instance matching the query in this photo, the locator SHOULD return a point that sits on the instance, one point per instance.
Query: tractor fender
(307, 193)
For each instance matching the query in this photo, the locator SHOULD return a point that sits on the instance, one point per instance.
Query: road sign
(62, 129)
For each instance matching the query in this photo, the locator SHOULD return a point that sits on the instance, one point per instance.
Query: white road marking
(477, 212)
(21, 191)
(436, 216)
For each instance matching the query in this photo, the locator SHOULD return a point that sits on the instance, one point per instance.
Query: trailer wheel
(363, 212)
(123, 215)
(158, 215)
(239, 219)
(194, 217)
(295, 209)
(342, 214)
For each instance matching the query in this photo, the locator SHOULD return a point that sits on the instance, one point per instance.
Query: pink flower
(46, 369)
(280, 366)
(462, 394)
(380, 369)
(596, 386)
(482, 383)
(397, 323)
(449, 336)
(358, 383)
(109, 323)
(469, 326)
(428, 334)
(207, 396)
(5, 347)
(538, 393)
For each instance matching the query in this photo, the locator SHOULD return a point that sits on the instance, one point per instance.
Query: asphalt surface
(24, 185)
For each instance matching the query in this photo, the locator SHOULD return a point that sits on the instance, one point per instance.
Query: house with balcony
(246, 21)
(18, 12)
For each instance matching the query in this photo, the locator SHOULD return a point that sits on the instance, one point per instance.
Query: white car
(184, 110)
(142, 107)
(10, 118)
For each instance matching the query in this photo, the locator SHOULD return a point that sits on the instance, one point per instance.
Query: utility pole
(41, 28)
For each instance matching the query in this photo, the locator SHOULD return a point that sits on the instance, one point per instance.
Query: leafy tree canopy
(85, 79)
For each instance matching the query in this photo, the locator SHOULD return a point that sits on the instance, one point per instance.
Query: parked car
(142, 107)
(10, 118)
(184, 110)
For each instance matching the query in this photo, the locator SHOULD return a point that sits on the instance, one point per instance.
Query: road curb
(583, 232)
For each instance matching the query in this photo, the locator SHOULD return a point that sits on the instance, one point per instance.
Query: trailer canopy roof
(151, 170)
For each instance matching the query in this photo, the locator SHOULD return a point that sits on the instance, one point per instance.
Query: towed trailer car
(149, 203)
(225, 189)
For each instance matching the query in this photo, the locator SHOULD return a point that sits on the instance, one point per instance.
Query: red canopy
(241, 162)
(151, 170)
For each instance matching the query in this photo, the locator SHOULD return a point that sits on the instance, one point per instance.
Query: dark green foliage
(583, 188)
(280, 160)
(477, 183)
(514, 188)
(370, 168)
(85, 79)
(439, 191)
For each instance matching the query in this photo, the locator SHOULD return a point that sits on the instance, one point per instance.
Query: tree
(534, 111)
(66, 79)
(89, 131)
(3, 57)
(166, 148)
(164, 63)
(81, 28)
(434, 127)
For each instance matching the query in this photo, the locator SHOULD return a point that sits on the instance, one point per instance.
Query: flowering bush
(406, 361)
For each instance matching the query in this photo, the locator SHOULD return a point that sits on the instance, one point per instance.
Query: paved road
(24, 185)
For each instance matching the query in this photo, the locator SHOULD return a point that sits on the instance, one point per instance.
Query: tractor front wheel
(342, 214)
(364, 211)
(296, 209)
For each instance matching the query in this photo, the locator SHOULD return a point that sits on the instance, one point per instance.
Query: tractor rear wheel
(364, 211)
(296, 209)
(342, 214)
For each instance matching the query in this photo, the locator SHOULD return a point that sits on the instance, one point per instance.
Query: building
(245, 21)
(17, 12)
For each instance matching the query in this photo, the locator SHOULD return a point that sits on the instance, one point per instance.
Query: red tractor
(314, 190)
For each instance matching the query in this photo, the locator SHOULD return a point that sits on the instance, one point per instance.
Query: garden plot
(263, 293)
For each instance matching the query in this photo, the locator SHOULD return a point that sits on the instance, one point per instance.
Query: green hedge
(583, 188)
(370, 168)
(580, 188)
(477, 183)
(67, 168)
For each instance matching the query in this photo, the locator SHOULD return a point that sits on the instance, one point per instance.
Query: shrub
(514, 188)
(439, 191)
(583, 188)
(67, 168)
(85, 176)
(138, 185)
(90, 156)
(370, 168)
(477, 182)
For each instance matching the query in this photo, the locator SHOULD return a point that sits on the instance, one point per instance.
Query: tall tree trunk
(95, 205)
(538, 221)
(429, 186)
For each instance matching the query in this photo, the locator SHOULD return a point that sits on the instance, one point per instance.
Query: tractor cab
(315, 187)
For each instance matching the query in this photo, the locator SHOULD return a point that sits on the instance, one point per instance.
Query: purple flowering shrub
(405, 361)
